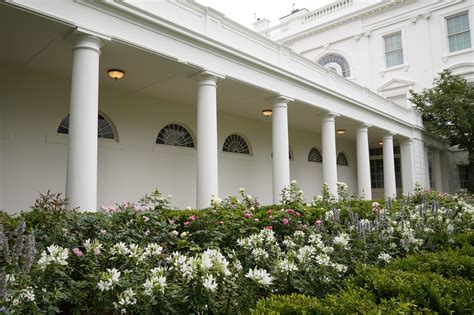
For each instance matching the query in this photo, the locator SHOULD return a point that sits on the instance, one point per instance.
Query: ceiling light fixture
(116, 73)
(267, 112)
(341, 131)
(380, 142)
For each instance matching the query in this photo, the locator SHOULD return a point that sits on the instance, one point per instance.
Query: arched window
(236, 144)
(337, 63)
(341, 159)
(104, 127)
(177, 135)
(315, 156)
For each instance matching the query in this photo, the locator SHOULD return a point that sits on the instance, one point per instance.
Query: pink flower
(77, 252)
(193, 218)
(247, 215)
(186, 223)
(298, 214)
(290, 211)
(146, 219)
(269, 228)
(285, 221)
(256, 220)
(375, 204)
(221, 222)
(269, 212)
(317, 223)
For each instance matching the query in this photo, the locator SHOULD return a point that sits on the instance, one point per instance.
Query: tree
(447, 110)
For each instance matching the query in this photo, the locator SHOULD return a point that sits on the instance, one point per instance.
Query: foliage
(143, 258)
(447, 110)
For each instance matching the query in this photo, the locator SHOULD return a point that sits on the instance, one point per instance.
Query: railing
(310, 16)
(327, 10)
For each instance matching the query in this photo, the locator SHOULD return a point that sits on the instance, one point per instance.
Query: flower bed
(147, 259)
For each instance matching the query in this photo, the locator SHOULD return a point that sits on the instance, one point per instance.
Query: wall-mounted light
(267, 112)
(340, 131)
(380, 142)
(116, 74)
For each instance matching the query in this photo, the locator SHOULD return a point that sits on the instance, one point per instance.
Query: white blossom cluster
(53, 255)
(93, 246)
(260, 276)
(110, 278)
(156, 282)
(342, 240)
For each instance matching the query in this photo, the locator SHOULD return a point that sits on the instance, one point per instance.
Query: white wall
(424, 38)
(35, 156)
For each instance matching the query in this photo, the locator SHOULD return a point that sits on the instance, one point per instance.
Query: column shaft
(363, 163)
(389, 181)
(328, 132)
(81, 181)
(437, 172)
(406, 154)
(207, 175)
(280, 146)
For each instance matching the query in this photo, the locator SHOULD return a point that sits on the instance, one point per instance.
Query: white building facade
(391, 47)
(186, 117)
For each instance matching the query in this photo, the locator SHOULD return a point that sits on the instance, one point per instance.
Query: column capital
(330, 116)
(207, 77)
(406, 141)
(363, 127)
(280, 100)
(389, 134)
(87, 39)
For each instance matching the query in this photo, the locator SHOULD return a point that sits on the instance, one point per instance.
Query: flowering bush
(148, 259)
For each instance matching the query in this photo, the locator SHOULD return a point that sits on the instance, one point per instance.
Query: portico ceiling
(40, 44)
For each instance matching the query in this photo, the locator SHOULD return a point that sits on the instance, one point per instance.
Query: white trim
(60, 138)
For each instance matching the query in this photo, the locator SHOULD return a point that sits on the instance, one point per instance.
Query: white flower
(119, 249)
(93, 247)
(55, 255)
(340, 268)
(342, 240)
(261, 276)
(184, 234)
(155, 283)
(260, 254)
(241, 189)
(384, 257)
(174, 232)
(110, 278)
(127, 297)
(305, 253)
(293, 182)
(286, 266)
(103, 285)
(323, 260)
(210, 283)
(153, 249)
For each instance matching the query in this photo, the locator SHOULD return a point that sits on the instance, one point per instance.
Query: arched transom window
(175, 134)
(342, 159)
(315, 156)
(104, 127)
(337, 63)
(236, 144)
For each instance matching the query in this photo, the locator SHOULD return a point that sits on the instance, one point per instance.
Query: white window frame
(464, 12)
(446, 54)
(389, 34)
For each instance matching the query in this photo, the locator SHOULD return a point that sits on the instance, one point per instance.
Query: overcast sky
(243, 11)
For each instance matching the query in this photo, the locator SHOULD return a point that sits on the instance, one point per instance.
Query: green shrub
(426, 290)
(449, 263)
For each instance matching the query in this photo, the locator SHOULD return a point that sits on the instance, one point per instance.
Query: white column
(389, 182)
(363, 163)
(408, 170)
(207, 176)
(427, 169)
(437, 170)
(81, 180)
(280, 146)
(328, 132)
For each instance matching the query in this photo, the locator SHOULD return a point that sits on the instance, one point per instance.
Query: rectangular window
(459, 35)
(463, 176)
(393, 49)
(376, 167)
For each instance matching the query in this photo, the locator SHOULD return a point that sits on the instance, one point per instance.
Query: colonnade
(81, 182)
